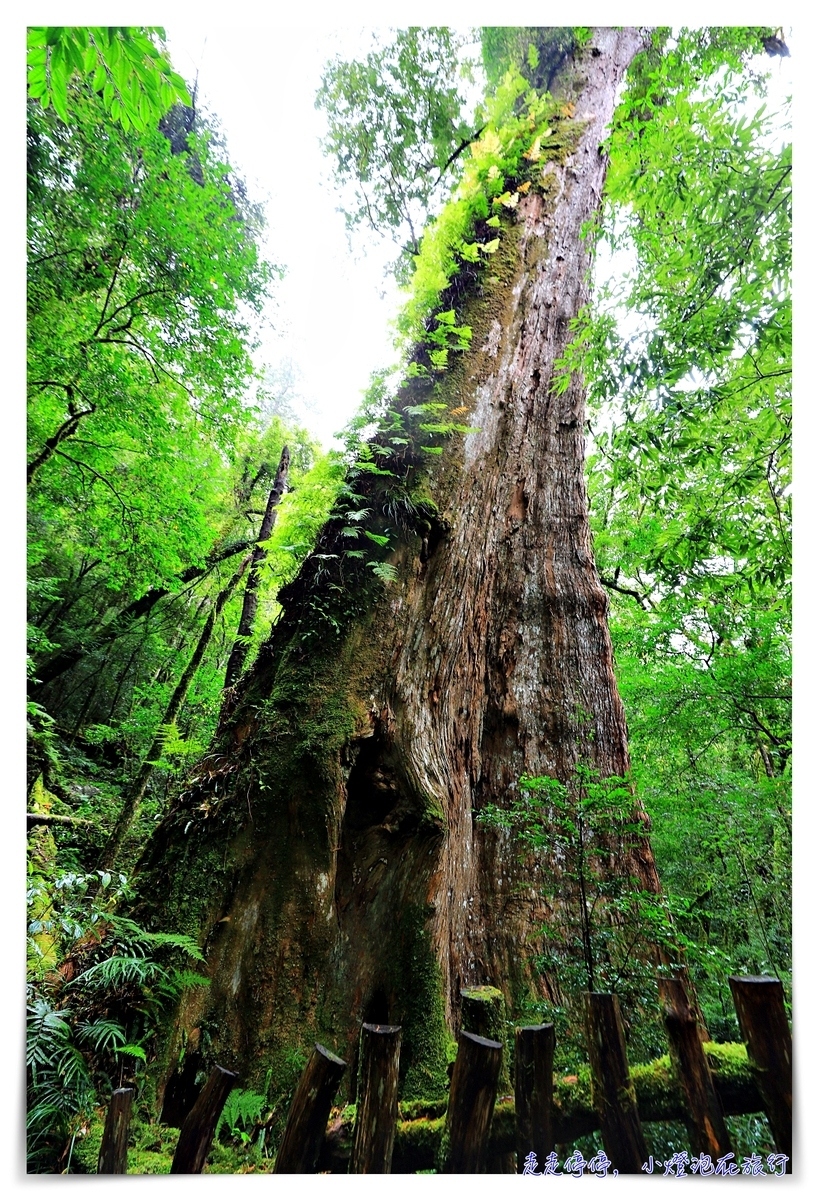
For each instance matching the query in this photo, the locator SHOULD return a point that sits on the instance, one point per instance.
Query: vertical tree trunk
(307, 1119)
(196, 1134)
(612, 1093)
(471, 1105)
(762, 1017)
(326, 851)
(705, 1124)
(113, 1152)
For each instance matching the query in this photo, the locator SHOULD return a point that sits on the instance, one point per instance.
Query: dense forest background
(155, 451)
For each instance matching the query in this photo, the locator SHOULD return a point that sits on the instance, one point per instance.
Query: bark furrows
(509, 671)
(490, 659)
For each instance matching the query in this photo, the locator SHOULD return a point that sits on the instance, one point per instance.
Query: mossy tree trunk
(326, 851)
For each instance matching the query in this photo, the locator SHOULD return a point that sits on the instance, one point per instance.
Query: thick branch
(464, 145)
(33, 819)
(624, 591)
(68, 427)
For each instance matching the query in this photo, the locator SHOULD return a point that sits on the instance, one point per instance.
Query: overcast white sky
(331, 311)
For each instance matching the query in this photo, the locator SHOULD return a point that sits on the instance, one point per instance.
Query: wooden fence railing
(461, 1139)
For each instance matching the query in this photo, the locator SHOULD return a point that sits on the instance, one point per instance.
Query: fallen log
(38, 818)
(659, 1097)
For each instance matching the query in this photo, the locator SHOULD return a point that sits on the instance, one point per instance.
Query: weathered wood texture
(378, 739)
(483, 1011)
(307, 1120)
(659, 1097)
(534, 1091)
(705, 1121)
(612, 1092)
(471, 1104)
(759, 1003)
(377, 1110)
(200, 1124)
(113, 1153)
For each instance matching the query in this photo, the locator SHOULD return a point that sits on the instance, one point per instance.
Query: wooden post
(309, 1112)
(706, 1127)
(483, 1011)
(377, 1112)
(759, 1003)
(113, 1153)
(612, 1092)
(534, 1092)
(200, 1123)
(471, 1105)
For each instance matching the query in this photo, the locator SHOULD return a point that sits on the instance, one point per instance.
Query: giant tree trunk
(326, 852)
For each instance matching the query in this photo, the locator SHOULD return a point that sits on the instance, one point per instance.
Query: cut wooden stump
(200, 1124)
(612, 1092)
(483, 1011)
(471, 1105)
(113, 1153)
(762, 1018)
(705, 1125)
(309, 1111)
(377, 1111)
(534, 1092)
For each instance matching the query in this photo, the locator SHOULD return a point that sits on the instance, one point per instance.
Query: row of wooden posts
(759, 1004)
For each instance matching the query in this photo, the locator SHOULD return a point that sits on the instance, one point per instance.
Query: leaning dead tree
(249, 605)
(326, 851)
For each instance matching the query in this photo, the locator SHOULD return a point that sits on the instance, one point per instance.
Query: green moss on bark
(427, 1046)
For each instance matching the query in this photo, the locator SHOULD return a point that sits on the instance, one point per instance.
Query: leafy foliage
(93, 1018)
(124, 65)
(149, 466)
(602, 923)
(688, 360)
(395, 126)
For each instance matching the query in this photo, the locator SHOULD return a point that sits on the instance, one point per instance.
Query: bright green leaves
(522, 132)
(696, 398)
(124, 65)
(688, 362)
(395, 127)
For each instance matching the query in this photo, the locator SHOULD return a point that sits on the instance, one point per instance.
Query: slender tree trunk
(133, 799)
(326, 851)
(248, 609)
(123, 621)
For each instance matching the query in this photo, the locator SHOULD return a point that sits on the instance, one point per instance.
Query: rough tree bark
(326, 852)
